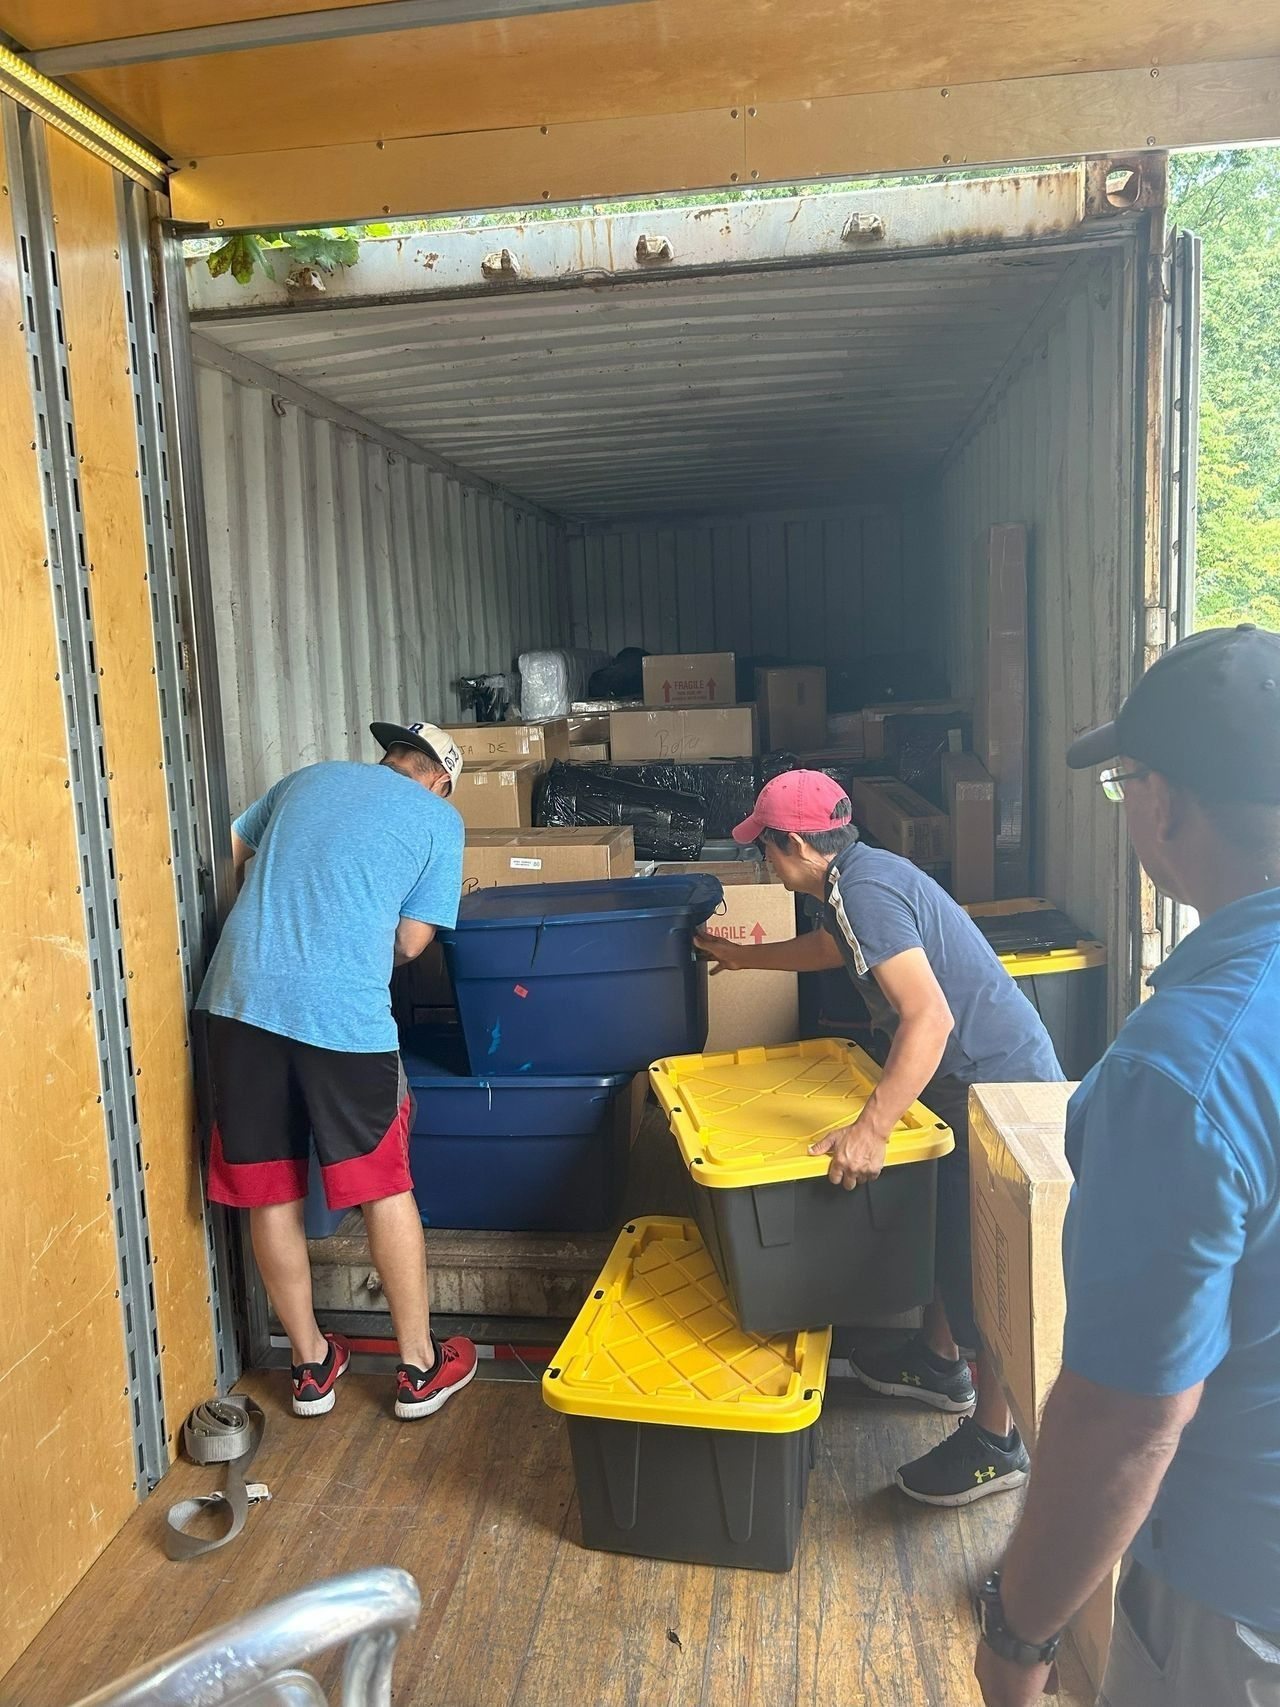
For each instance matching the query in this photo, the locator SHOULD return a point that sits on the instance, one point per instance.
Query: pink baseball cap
(799, 801)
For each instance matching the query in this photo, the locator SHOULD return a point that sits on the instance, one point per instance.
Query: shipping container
(242, 520)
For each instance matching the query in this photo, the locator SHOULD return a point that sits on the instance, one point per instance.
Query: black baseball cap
(1206, 715)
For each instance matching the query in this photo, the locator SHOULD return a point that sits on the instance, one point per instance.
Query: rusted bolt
(944, 93)
(733, 112)
(754, 173)
(862, 225)
(546, 129)
(219, 222)
(380, 145)
(751, 112)
(733, 177)
(1151, 142)
(946, 159)
(1155, 70)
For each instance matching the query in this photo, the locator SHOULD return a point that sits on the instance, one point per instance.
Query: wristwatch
(1001, 1639)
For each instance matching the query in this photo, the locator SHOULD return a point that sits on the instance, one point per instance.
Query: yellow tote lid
(658, 1342)
(749, 1118)
(1035, 962)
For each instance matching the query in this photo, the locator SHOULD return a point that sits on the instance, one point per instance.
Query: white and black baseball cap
(426, 738)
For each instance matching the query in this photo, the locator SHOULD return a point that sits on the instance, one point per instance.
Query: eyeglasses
(1112, 782)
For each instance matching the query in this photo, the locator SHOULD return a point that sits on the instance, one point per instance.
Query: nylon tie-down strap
(221, 1431)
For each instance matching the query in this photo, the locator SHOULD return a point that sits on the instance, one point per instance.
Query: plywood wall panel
(71, 1480)
(84, 200)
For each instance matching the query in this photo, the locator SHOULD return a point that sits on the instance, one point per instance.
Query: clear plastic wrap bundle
(551, 681)
(491, 697)
(727, 788)
(668, 825)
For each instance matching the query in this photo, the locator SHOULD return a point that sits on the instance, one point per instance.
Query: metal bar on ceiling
(287, 31)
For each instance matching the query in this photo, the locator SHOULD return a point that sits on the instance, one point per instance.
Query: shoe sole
(1001, 1485)
(920, 1395)
(321, 1407)
(429, 1407)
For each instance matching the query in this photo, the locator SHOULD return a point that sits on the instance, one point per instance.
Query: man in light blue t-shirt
(347, 871)
(1162, 1435)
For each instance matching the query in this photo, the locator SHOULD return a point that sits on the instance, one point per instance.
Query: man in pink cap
(951, 1017)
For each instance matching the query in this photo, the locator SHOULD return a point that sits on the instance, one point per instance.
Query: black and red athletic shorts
(274, 1097)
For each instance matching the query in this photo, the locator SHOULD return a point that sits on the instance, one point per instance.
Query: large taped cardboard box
(690, 678)
(746, 1009)
(792, 707)
(1019, 1185)
(715, 732)
(970, 794)
(495, 859)
(900, 819)
(854, 735)
(588, 728)
(508, 743)
(497, 797)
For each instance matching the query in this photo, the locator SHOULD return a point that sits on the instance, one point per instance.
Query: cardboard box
(724, 732)
(746, 1009)
(595, 754)
(1000, 656)
(497, 797)
(729, 871)
(970, 794)
(588, 728)
(690, 678)
(508, 743)
(854, 736)
(792, 706)
(900, 819)
(495, 859)
(1019, 1184)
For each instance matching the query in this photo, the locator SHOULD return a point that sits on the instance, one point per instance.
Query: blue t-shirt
(878, 905)
(343, 852)
(1172, 1248)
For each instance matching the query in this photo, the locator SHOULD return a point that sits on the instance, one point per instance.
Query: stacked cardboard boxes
(511, 743)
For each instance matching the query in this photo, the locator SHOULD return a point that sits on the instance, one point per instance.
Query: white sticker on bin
(526, 865)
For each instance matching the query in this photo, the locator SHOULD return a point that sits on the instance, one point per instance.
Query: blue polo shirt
(1172, 1248)
(343, 852)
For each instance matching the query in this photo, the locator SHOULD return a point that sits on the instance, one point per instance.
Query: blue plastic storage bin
(545, 1155)
(582, 977)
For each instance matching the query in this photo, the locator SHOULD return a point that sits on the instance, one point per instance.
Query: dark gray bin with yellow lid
(692, 1440)
(1061, 971)
(793, 1250)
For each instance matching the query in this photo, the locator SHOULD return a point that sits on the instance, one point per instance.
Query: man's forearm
(813, 952)
(912, 1061)
(1098, 1467)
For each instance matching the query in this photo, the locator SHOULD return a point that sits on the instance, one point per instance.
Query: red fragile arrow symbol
(757, 934)
(666, 692)
(711, 687)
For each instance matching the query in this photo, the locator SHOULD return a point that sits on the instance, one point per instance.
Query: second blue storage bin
(544, 1155)
(576, 978)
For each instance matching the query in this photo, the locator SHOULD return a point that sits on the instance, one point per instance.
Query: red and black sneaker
(314, 1383)
(421, 1392)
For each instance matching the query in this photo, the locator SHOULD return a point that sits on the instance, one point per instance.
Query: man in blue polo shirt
(1162, 1435)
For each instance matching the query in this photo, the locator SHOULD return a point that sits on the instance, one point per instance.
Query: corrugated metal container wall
(1054, 447)
(352, 582)
(826, 585)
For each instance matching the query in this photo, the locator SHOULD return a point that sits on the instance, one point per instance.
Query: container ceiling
(802, 387)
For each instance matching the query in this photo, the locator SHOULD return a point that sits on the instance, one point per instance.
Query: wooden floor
(478, 1504)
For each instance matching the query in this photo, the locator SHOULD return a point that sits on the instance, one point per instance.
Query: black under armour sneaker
(913, 1372)
(966, 1467)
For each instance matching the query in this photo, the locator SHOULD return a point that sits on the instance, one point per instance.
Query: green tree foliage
(1232, 201)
